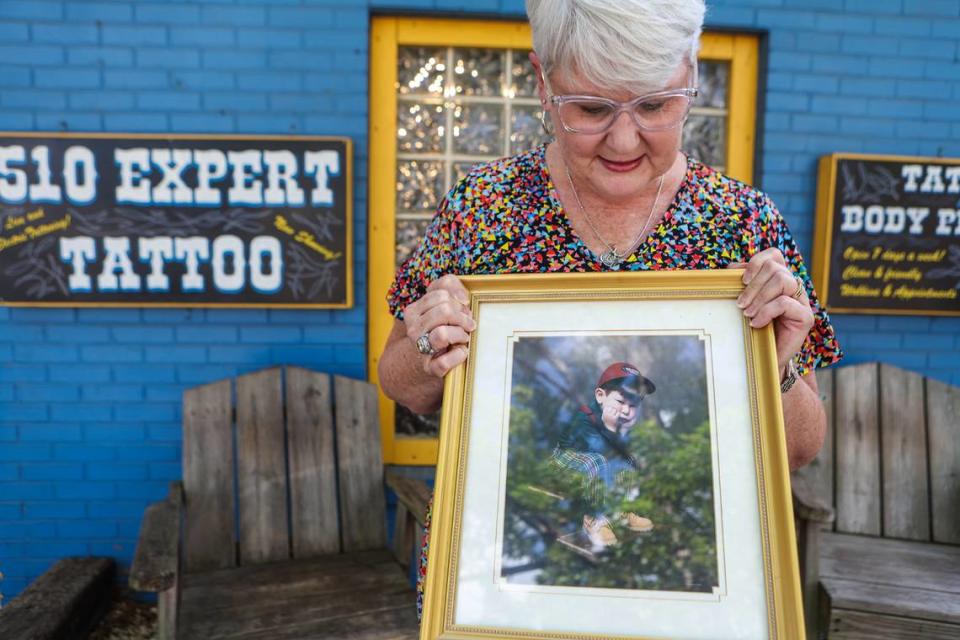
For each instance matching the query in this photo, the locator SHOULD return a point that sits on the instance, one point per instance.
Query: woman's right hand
(443, 315)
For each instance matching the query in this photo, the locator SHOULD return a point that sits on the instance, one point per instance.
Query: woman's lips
(620, 167)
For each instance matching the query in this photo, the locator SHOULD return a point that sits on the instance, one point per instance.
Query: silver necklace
(611, 257)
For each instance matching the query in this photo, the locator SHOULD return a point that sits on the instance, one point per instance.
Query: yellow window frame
(387, 35)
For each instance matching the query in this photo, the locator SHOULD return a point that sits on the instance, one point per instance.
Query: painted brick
(113, 392)
(113, 353)
(120, 471)
(837, 105)
(947, 361)
(867, 87)
(928, 48)
(234, 16)
(32, 98)
(143, 491)
(86, 529)
(844, 23)
(143, 333)
(150, 453)
(60, 510)
(270, 38)
(100, 56)
(168, 58)
(167, 13)
(35, 55)
(79, 373)
(145, 412)
(134, 35)
(139, 79)
(895, 67)
(44, 353)
(83, 453)
(914, 89)
(15, 121)
(235, 101)
(902, 26)
(15, 77)
(70, 121)
(895, 108)
(940, 8)
(136, 121)
(61, 432)
(24, 491)
(873, 6)
(202, 122)
(47, 392)
(52, 472)
(168, 101)
(176, 354)
(85, 412)
(139, 373)
(86, 490)
(31, 10)
(117, 509)
(868, 126)
(164, 393)
(300, 17)
(202, 36)
(63, 33)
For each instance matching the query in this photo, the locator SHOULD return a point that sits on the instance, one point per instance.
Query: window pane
(420, 70)
(419, 185)
(460, 169)
(704, 138)
(525, 129)
(409, 232)
(478, 129)
(522, 75)
(478, 72)
(714, 78)
(420, 127)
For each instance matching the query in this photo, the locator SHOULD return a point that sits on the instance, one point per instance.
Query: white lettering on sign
(877, 219)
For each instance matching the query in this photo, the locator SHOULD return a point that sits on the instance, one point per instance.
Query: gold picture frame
(467, 592)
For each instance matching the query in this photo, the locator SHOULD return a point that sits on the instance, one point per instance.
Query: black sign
(888, 234)
(144, 220)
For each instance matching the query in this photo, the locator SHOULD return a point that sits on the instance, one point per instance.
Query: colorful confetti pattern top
(505, 217)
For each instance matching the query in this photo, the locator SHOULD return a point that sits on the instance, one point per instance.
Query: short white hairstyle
(617, 44)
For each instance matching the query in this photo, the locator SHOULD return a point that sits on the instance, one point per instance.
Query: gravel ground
(127, 619)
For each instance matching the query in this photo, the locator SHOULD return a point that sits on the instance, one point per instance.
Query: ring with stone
(424, 346)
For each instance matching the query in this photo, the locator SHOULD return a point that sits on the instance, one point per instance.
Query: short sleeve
(821, 347)
(433, 258)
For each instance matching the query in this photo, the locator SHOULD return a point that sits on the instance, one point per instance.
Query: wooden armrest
(412, 493)
(807, 505)
(156, 562)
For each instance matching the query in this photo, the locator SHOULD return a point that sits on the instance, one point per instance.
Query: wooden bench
(278, 529)
(879, 509)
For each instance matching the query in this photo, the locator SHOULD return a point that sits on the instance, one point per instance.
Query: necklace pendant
(611, 259)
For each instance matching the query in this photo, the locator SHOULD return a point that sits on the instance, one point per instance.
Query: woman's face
(621, 163)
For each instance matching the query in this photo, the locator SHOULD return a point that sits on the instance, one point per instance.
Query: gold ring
(798, 294)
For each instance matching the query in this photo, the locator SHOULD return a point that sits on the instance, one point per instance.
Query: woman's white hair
(617, 44)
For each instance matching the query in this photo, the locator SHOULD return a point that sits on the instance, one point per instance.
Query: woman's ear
(538, 67)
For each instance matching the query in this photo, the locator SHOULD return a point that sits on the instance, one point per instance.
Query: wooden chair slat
(313, 474)
(857, 450)
(362, 524)
(943, 415)
(261, 468)
(906, 512)
(210, 531)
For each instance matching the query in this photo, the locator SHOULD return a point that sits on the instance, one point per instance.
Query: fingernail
(740, 302)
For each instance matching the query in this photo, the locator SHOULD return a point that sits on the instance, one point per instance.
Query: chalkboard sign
(888, 234)
(175, 220)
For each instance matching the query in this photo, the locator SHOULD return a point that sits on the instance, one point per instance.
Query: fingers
(452, 285)
(441, 364)
(788, 311)
(766, 277)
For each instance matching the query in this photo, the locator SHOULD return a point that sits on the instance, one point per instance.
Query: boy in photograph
(595, 445)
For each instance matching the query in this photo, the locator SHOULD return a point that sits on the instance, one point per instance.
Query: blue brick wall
(89, 398)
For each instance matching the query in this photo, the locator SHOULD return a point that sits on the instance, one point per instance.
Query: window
(448, 94)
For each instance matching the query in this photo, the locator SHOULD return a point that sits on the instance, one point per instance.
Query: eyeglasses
(653, 112)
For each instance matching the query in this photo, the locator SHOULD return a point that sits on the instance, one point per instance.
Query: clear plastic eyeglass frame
(630, 106)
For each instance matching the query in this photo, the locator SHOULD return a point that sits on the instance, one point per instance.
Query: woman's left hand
(773, 294)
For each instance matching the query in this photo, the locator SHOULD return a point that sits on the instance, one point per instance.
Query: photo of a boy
(596, 445)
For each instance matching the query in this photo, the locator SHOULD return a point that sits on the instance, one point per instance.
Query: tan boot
(599, 532)
(636, 523)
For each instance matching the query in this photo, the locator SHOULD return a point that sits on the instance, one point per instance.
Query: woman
(612, 191)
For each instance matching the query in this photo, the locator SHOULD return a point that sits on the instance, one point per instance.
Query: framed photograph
(612, 465)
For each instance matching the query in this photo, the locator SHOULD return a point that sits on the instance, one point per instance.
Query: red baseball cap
(628, 378)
